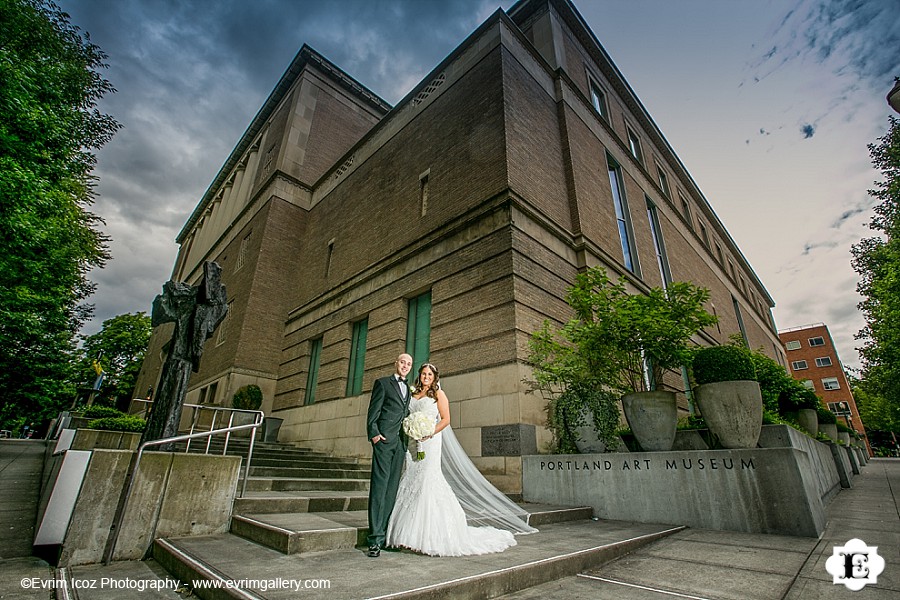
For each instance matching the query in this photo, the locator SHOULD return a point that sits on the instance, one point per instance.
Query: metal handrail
(111, 544)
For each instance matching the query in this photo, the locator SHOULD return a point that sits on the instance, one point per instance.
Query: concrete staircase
(304, 516)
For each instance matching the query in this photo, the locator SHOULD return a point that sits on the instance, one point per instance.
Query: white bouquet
(418, 426)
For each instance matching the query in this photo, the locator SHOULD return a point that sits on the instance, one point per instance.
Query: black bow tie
(401, 379)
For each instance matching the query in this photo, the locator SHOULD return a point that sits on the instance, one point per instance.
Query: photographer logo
(855, 565)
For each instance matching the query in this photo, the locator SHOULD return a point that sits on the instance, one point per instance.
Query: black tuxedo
(387, 409)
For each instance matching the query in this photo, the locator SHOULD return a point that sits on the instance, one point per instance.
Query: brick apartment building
(813, 360)
(448, 226)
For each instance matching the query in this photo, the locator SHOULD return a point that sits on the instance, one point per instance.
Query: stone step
(307, 463)
(308, 473)
(301, 532)
(286, 484)
(558, 550)
(268, 502)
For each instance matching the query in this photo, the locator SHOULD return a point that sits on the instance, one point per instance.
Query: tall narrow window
(663, 181)
(357, 357)
(623, 219)
(634, 144)
(703, 235)
(223, 326)
(243, 252)
(423, 191)
(598, 100)
(312, 379)
(686, 211)
(213, 392)
(329, 256)
(418, 329)
(659, 244)
(740, 320)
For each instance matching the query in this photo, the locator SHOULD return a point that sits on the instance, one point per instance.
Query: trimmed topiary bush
(100, 412)
(248, 397)
(123, 423)
(722, 363)
(843, 427)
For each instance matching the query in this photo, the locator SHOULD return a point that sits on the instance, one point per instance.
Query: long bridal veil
(483, 503)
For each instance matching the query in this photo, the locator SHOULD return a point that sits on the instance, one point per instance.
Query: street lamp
(893, 96)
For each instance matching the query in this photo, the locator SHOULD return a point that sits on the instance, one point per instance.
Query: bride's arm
(443, 410)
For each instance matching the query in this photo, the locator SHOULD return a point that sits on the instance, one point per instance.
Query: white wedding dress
(428, 516)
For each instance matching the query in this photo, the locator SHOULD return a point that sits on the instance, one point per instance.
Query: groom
(387, 408)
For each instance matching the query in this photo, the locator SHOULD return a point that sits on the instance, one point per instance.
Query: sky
(770, 104)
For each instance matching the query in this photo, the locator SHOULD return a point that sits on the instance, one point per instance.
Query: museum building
(448, 226)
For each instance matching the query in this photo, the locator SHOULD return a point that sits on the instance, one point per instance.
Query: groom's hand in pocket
(378, 438)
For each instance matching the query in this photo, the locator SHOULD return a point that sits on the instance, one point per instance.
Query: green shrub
(123, 423)
(842, 427)
(99, 412)
(723, 363)
(826, 416)
(248, 397)
(692, 422)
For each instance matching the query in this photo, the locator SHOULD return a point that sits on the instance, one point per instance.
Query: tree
(877, 260)
(119, 349)
(876, 412)
(617, 343)
(49, 241)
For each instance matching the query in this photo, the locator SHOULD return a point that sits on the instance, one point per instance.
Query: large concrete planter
(652, 417)
(809, 420)
(829, 429)
(843, 436)
(733, 411)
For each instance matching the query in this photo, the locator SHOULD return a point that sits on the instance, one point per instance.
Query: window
(598, 100)
(824, 361)
(623, 219)
(686, 211)
(658, 244)
(223, 326)
(242, 253)
(740, 320)
(329, 256)
(808, 384)
(213, 391)
(357, 357)
(731, 268)
(703, 235)
(312, 379)
(634, 144)
(719, 254)
(831, 383)
(423, 190)
(793, 345)
(799, 365)
(663, 181)
(816, 341)
(418, 329)
(841, 409)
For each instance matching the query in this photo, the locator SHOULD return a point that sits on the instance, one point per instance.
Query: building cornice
(305, 56)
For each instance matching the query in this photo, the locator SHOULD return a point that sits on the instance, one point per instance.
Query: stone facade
(486, 186)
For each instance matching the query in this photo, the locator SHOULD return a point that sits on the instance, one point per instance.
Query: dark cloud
(810, 246)
(808, 131)
(856, 39)
(190, 77)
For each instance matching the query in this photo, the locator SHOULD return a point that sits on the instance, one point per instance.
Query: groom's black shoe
(374, 551)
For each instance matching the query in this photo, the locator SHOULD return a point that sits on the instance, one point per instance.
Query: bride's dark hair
(431, 392)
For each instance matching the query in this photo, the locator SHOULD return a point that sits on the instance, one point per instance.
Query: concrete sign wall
(761, 490)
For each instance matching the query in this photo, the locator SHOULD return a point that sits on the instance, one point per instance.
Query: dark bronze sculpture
(196, 312)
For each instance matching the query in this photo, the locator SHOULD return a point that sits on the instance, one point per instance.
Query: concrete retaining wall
(173, 495)
(824, 470)
(772, 490)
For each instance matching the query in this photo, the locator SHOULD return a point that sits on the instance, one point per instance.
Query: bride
(441, 492)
